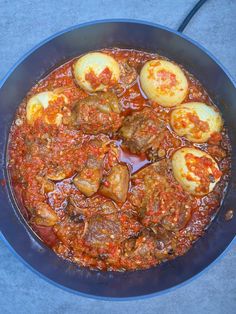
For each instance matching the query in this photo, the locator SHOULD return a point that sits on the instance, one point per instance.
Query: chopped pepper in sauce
(66, 175)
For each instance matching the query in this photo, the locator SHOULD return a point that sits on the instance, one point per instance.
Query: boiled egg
(196, 171)
(96, 71)
(164, 82)
(37, 105)
(196, 121)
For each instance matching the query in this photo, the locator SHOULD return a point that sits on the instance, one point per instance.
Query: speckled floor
(25, 23)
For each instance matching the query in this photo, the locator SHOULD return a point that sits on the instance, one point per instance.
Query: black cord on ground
(190, 15)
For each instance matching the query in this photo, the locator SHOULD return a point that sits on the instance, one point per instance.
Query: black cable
(190, 15)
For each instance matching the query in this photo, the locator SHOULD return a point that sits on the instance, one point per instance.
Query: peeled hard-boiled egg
(38, 103)
(196, 121)
(164, 82)
(96, 71)
(196, 171)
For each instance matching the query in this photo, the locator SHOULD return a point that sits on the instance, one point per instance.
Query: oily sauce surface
(97, 231)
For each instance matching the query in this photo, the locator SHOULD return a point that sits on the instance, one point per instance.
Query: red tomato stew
(119, 159)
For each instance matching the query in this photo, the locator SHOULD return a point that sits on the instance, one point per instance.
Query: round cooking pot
(44, 58)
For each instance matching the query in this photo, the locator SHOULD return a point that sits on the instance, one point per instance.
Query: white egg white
(191, 129)
(164, 82)
(188, 179)
(38, 103)
(96, 62)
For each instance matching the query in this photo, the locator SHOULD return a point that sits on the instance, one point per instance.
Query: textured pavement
(24, 24)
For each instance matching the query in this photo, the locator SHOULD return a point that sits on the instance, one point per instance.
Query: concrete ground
(25, 23)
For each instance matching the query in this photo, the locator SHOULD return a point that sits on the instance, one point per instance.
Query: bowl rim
(118, 20)
(94, 23)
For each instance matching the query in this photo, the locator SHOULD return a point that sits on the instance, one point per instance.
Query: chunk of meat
(108, 207)
(56, 174)
(164, 237)
(142, 131)
(168, 208)
(102, 230)
(146, 249)
(88, 180)
(46, 185)
(68, 231)
(44, 215)
(145, 245)
(159, 199)
(128, 74)
(98, 113)
(80, 207)
(116, 184)
(131, 226)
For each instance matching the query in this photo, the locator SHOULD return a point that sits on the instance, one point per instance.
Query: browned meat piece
(88, 180)
(43, 215)
(165, 238)
(90, 173)
(145, 245)
(172, 208)
(56, 174)
(98, 113)
(142, 131)
(68, 231)
(128, 74)
(47, 185)
(102, 230)
(131, 225)
(57, 171)
(80, 207)
(116, 184)
(145, 249)
(159, 199)
(108, 207)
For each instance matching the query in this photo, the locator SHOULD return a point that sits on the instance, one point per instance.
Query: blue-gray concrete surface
(25, 23)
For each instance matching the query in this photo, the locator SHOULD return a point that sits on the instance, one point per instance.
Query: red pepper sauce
(42, 148)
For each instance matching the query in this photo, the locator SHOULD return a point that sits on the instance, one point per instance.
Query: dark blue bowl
(45, 57)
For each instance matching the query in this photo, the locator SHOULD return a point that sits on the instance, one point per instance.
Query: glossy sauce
(25, 165)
